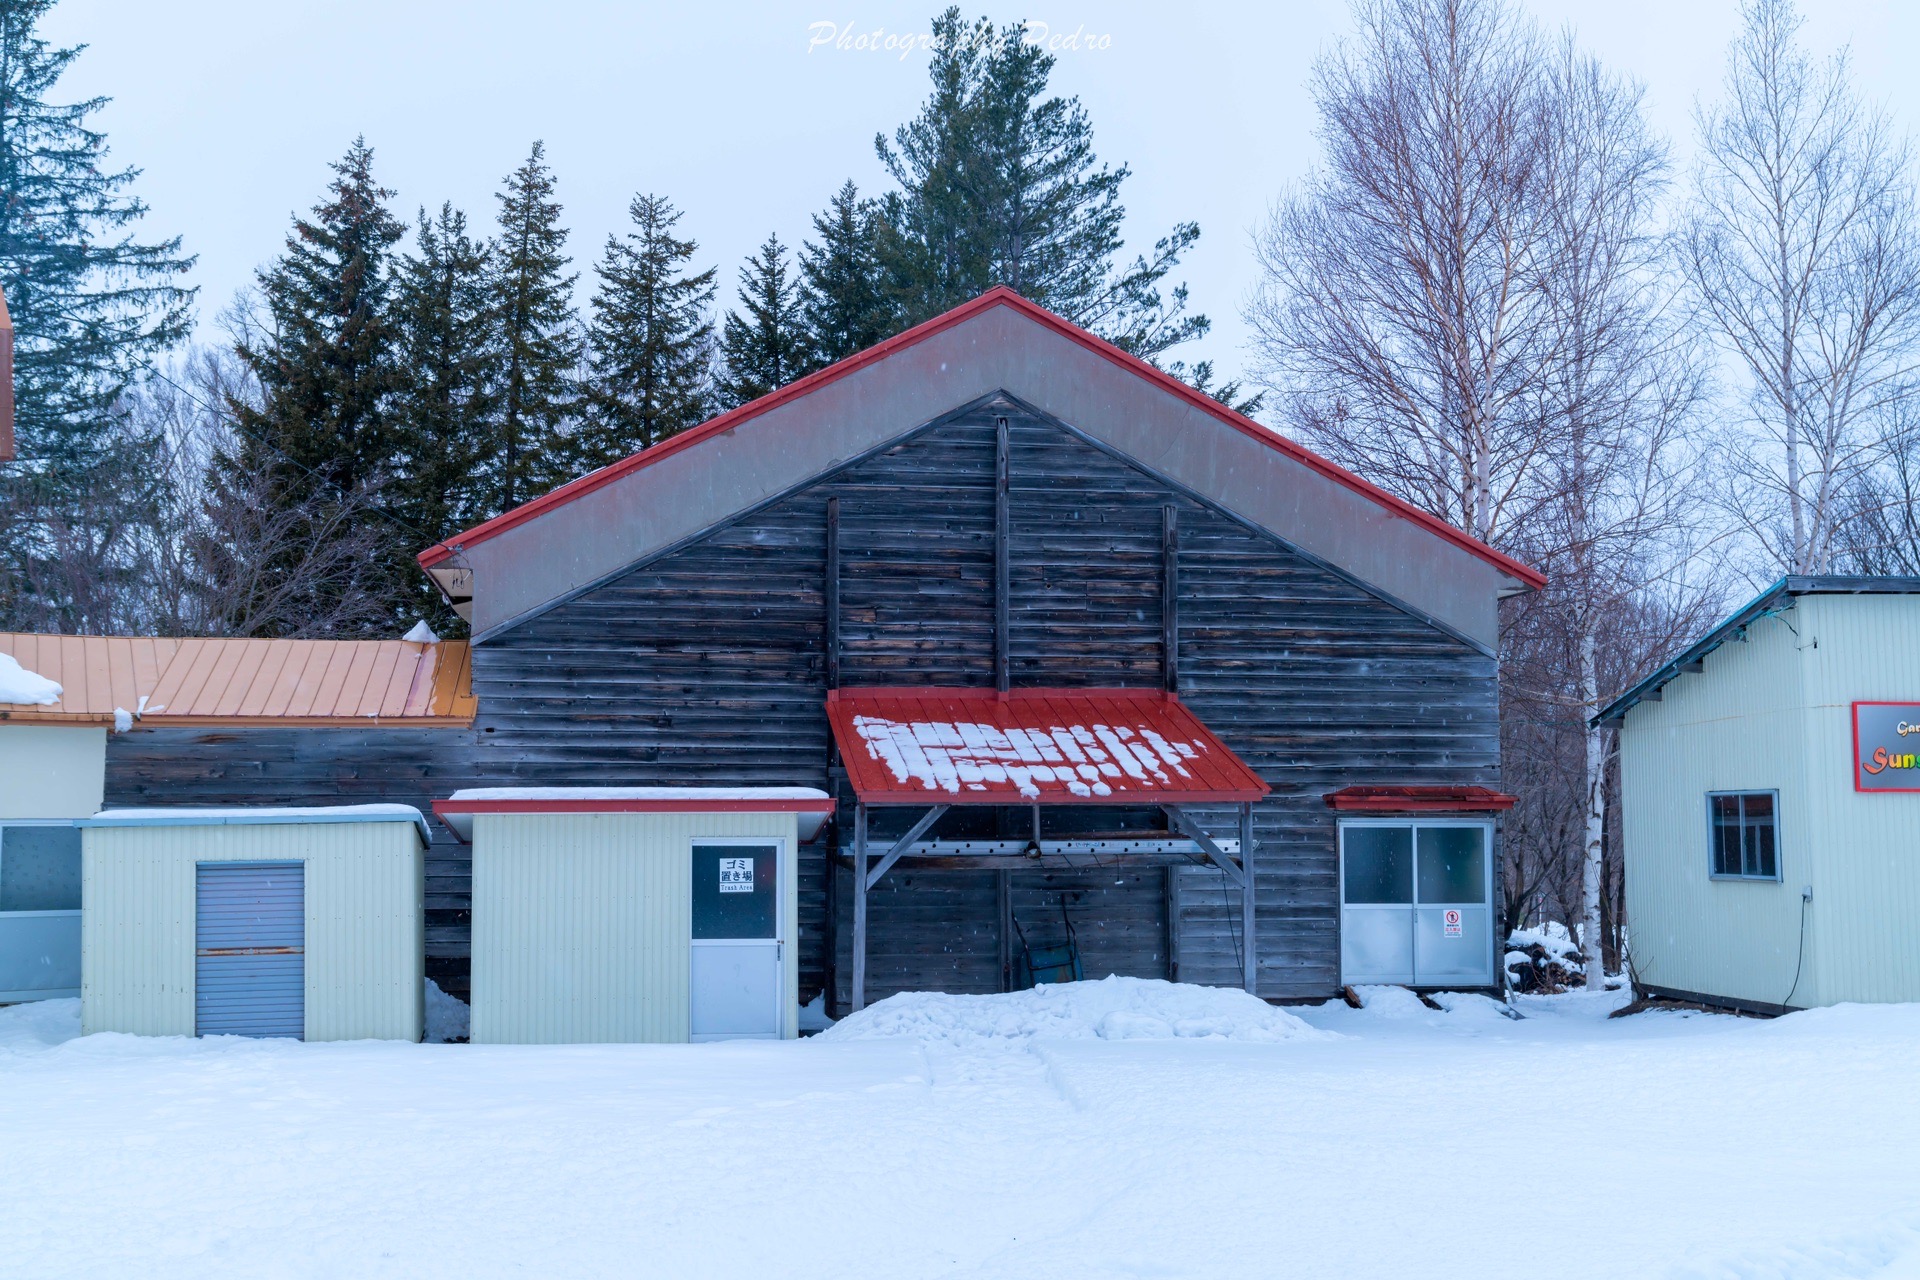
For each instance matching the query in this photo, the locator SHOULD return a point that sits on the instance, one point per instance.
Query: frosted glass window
(39, 868)
(1379, 864)
(1453, 864)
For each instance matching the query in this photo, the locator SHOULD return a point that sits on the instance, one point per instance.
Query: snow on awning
(1033, 746)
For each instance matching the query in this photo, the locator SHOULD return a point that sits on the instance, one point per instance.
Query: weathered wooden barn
(1058, 632)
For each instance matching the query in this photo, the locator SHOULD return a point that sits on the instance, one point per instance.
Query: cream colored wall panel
(582, 923)
(363, 964)
(1739, 726)
(51, 770)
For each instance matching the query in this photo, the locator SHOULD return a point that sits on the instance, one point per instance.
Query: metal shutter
(250, 961)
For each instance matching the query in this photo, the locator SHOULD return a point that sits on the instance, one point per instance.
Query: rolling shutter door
(250, 940)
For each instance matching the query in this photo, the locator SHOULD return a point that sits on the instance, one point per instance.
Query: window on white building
(1745, 832)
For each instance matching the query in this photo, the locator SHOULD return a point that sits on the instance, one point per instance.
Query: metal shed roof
(1775, 599)
(220, 680)
(458, 810)
(241, 816)
(1033, 746)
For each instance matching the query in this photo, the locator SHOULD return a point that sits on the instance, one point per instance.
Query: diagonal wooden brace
(904, 843)
(1192, 830)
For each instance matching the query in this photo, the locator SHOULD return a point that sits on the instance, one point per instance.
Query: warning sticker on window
(736, 876)
(1450, 919)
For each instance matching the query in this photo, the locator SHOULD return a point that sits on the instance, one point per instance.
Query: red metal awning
(1419, 800)
(1033, 746)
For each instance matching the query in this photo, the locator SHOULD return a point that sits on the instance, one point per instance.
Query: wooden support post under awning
(857, 997)
(1248, 900)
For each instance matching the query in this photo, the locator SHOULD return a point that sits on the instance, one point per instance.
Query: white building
(1771, 802)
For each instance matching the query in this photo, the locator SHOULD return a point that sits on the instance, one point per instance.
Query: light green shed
(275, 922)
(1772, 859)
(654, 915)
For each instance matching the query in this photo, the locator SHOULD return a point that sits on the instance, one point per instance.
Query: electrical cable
(1800, 958)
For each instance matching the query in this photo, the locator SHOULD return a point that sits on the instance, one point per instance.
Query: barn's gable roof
(555, 546)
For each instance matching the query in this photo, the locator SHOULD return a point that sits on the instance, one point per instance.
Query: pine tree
(999, 185)
(651, 339)
(845, 308)
(539, 338)
(327, 374)
(91, 304)
(446, 404)
(767, 347)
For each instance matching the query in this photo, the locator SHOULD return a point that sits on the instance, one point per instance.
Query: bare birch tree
(1801, 251)
(1613, 518)
(1397, 320)
(1464, 304)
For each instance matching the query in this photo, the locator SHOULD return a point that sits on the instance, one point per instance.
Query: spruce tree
(845, 308)
(92, 305)
(651, 339)
(767, 347)
(327, 375)
(539, 339)
(999, 184)
(446, 402)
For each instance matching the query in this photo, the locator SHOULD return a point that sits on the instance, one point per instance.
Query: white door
(737, 948)
(1416, 903)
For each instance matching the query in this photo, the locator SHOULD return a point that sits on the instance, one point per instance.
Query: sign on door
(736, 875)
(1450, 922)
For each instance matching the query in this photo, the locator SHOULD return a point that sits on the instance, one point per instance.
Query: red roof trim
(443, 807)
(999, 296)
(1419, 800)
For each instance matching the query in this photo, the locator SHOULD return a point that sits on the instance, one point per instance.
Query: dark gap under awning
(1033, 746)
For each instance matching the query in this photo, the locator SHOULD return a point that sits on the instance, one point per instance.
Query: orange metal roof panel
(245, 681)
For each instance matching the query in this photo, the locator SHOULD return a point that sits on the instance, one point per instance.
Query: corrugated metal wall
(1862, 939)
(582, 923)
(363, 924)
(1775, 712)
(1737, 727)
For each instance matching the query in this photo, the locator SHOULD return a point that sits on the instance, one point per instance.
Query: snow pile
(122, 720)
(17, 684)
(1391, 1002)
(1111, 1009)
(1545, 960)
(421, 634)
(448, 1017)
(813, 1014)
(38, 1024)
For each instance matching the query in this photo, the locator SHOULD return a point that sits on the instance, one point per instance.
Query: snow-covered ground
(1118, 1130)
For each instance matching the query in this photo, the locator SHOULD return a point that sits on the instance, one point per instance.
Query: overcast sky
(234, 108)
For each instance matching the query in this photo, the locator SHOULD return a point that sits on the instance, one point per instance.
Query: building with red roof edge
(1076, 654)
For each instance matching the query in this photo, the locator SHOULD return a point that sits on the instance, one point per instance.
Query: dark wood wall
(708, 667)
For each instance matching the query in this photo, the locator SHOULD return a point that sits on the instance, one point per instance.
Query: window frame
(38, 822)
(1779, 853)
